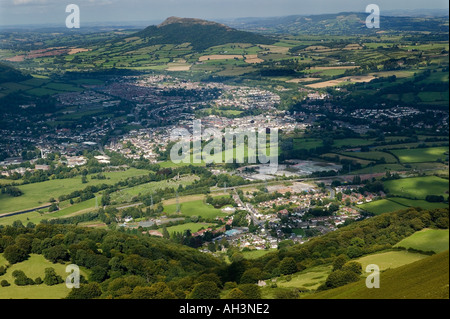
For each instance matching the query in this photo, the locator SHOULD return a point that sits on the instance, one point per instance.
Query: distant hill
(338, 24)
(424, 279)
(9, 74)
(201, 34)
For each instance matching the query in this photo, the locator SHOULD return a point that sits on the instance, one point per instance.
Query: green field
(417, 187)
(193, 227)
(436, 240)
(36, 217)
(195, 208)
(380, 168)
(417, 203)
(38, 194)
(254, 254)
(419, 155)
(372, 156)
(34, 267)
(397, 203)
(381, 206)
(310, 278)
(352, 142)
(126, 195)
(390, 259)
(424, 279)
(307, 144)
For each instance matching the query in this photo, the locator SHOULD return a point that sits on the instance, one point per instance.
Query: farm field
(390, 259)
(352, 142)
(254, 254)
(380, 168)
(417, 203)
(34, 267)
(193, 227)
(418, 187)
(436, 240)
(422, 154)
(311, 278)
(397, 203)
(381, 206)
(195, 208)
(36, 217)
(126, 195)
(33, 193)
(307, 143)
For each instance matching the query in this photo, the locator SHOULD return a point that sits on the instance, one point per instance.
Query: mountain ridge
(201, 34)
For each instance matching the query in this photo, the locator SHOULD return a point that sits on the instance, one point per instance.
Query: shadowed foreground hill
(424, 279)
(8, 74)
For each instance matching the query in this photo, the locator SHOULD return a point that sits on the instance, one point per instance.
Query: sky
(29, 12)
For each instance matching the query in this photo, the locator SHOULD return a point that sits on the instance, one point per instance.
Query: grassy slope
(427, 240)
(390, 259)
(424, 279)
(397, 203)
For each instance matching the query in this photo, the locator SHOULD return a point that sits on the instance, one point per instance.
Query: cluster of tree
(344, 272)
(219, 202)
(112, 257)
(435, 198)
(11, 191)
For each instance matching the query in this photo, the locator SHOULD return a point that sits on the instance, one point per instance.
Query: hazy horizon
(141, 12)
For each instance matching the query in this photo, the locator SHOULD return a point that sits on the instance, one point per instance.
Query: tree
(14, 254)
(353, 266)
(251, 291)
(160, 290)
(288, 266)
(340, 278)
(21, 279)
(354, 252)
(235, 293)
(205, 290)
(56, 254)
(98, 274)
(53, 208)
(88, 291)
(339, 262)
(165, 233)
(251, 276)
(51, 278)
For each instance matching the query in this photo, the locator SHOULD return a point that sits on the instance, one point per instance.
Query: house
(103, 159)
(42, 167)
